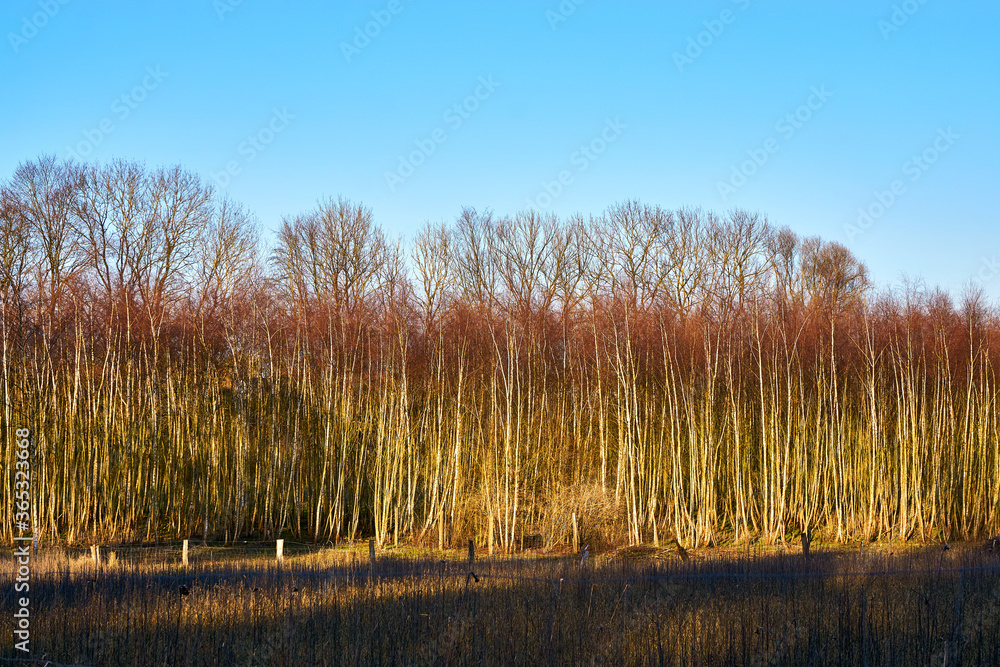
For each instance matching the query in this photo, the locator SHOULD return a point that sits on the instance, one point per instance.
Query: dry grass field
(639, 605)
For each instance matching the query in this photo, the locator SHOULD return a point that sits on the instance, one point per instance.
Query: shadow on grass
(927, 607)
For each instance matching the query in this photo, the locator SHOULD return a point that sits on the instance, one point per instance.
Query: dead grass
(638, 605)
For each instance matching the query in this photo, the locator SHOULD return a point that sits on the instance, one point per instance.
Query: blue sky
(805, 111)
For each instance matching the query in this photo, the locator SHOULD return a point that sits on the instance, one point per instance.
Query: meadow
(894, 605)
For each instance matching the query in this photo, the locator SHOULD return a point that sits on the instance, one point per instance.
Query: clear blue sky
(200, 77)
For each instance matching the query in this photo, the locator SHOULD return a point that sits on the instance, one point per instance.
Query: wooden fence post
(95, 553)
(472, 552)
(280, 548)
(184, 556)
(576, 535)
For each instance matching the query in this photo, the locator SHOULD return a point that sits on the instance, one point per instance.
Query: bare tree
(832, 276)
(39, 198)
(572, 259)
(525, 257)
(632, 240)
(741, 259)
(689, 258)
(228, 254)
(475, 255)
(113, 220)
(334, 254)
(433, 257)
(228, 272)
(180, 213)
(783, 249)
(15, 256)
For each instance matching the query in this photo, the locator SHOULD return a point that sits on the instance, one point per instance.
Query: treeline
(655, 373)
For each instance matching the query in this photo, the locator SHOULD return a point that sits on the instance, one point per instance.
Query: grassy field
(895, 604)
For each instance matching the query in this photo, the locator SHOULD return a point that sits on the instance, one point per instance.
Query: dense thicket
(657, 373)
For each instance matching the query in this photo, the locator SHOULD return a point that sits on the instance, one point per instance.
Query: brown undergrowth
(758, 606)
